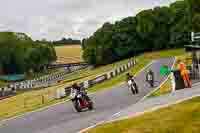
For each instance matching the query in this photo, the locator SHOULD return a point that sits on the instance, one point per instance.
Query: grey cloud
(53, 19)
(3, 27)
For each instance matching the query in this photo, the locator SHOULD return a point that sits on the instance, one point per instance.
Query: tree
(149, 30)
(196, 22)
(21, 55)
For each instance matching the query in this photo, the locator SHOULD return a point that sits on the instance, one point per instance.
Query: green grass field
(15, 104)
(179, 118)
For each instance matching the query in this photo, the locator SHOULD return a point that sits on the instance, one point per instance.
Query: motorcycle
(150, 80)
(151, 83)
(81, 101)
(133, 87)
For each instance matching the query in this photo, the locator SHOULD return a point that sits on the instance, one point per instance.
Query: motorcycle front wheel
(77, 106)
(133, 90)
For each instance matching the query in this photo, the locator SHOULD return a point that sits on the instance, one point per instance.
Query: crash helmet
(75, 85)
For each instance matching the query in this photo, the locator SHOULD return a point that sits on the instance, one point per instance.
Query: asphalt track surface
(62, 118)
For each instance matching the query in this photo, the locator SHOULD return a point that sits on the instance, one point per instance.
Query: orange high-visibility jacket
(183, 69)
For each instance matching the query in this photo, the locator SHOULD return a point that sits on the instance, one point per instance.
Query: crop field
(69, 54)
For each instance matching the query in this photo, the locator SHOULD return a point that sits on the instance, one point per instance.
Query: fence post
(125, 66)
(118, 70)
(134, 62)
(129, 65)
(122, 68)
(43, 99)
(25, 102)
(3, 91)
(108, 75)
(173, 83)
(114, 73)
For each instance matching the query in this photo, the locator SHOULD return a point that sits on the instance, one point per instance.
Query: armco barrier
(98, 80)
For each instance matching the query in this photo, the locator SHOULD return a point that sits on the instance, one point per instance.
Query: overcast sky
(54, 19)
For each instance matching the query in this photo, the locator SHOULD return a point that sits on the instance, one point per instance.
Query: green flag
(164, 70)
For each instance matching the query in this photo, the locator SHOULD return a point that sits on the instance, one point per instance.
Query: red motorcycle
(82, 101)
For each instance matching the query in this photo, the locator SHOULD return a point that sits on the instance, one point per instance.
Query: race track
(62, 118)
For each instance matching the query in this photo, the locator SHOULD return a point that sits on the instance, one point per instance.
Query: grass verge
(164, 89)
(180, 118)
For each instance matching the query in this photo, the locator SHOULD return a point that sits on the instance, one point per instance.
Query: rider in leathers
(150, 78)
(130, 77)
(77, 89)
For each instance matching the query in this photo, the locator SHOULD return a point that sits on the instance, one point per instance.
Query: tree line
(61, 42)
(153, 29)
(65, 41)
(20, 54)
